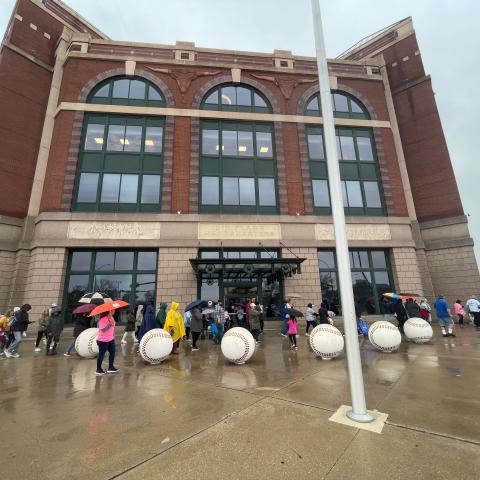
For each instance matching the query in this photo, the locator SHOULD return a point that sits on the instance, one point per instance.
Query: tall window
(371, 277)
(129, 275)
(237, 164)
(362, 194)
(121, 157)
(344, 106)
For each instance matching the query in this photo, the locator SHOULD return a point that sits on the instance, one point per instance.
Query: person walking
(53, 329)
(474, 308)
(323, 315)
(442, 309)
(240, 316)
(106, 342)
(148, 323)
(129, 327)
(285, 317)
(138, 321)
(174, 325)
(292, 332)
(5, 328)
(196, 327)
(310, 318)
(425, 310)
(385, 308)
(161, 315)
(81, 323)
(459, 311)
(187, 321)
(412, 308)
(255, 325)
(19, 324)
(41, 330)
(400, 313)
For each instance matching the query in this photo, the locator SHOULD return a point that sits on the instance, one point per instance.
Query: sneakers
(112, 370)
(100, 372)
(195, 349)
(66, 354)
(283, 335)
(8, 354)
(37, 349)
(444, 334)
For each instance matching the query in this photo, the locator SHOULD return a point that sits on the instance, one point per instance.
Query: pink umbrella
(87, 308)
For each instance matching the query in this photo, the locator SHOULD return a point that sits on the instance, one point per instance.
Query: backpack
(12, 320)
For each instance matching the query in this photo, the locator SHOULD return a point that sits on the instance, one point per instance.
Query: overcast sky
(447, 33)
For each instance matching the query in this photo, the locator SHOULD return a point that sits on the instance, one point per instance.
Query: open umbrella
(107, 307)
(97, 298)
(398, 296)
(194, 304)
(87, 308)
(293, 312)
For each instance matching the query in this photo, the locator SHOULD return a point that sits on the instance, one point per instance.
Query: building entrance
(236, 277)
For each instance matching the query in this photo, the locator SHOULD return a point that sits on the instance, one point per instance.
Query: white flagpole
(359, 411)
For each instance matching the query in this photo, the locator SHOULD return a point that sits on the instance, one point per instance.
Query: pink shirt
(459, 310)
(109, 334)
(292, 326)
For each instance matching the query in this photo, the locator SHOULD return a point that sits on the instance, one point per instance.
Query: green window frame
(236, 97)
(122, 90)
(237, 168)
(371, 277)
(359, 171)
(129, 275)
(121, 164)
(344, 106)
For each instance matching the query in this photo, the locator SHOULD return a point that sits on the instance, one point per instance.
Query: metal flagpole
(359, 411)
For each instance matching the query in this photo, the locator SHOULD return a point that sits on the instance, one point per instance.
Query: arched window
(121, 156)
(344, 106)
(235, 98)
(237, 159)
(127, 91)
(362, 192)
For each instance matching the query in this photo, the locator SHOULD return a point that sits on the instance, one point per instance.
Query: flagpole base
(360, 417)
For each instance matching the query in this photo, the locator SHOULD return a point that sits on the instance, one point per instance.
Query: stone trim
(74, 148)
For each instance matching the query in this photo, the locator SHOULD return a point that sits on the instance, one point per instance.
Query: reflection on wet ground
(268, 418)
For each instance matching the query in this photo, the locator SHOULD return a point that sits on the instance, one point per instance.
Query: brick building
(157, 172)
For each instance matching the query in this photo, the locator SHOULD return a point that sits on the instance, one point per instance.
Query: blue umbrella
(194, 304)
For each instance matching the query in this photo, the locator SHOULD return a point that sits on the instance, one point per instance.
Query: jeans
(195, 336)
(18, 339)
(71, 345)
(102, 350)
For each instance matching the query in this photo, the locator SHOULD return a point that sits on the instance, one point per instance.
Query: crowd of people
(210, 319)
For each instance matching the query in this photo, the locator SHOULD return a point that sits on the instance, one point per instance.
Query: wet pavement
(197, 417)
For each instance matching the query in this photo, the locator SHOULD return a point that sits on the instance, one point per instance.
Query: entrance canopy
(242, 269)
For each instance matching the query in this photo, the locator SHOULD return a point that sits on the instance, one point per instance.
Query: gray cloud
(446, 31)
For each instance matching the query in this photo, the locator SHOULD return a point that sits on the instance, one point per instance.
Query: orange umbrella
(107, 307)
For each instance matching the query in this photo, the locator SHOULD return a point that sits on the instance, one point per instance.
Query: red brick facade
(23, 103)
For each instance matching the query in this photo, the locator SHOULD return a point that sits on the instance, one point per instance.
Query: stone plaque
(113, 231)
(355, 232)
(239, 231)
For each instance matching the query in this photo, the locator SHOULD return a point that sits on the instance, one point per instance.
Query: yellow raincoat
(174, 323)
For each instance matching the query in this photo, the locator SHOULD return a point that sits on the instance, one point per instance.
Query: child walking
(460, 311)
(292, 332)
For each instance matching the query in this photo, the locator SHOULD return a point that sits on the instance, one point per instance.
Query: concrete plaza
(197, 417)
